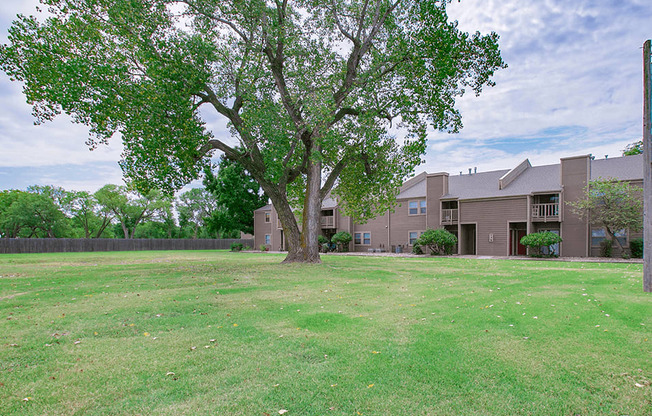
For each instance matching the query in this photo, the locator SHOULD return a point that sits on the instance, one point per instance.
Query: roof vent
(606, 157)
(475, 170)
(469, 171)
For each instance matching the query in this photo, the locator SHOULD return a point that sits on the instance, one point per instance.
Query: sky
(573, 86)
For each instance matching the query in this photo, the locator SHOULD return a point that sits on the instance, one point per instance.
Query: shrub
(263, 247)
(416, 248)
(237, 246)
(606, 248)
(342, 240)
(437, 241)
(636, 247)
(536, 242)
(322, 239)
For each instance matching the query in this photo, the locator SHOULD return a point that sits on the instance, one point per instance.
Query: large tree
(310, 90)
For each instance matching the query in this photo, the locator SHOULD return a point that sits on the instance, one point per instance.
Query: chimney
(475, 170)
(469, 171)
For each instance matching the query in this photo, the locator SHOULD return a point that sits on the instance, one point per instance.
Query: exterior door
(521, 250)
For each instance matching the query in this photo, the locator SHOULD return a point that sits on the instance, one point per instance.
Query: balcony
(449, 216)
(327, 221)
(545, 212)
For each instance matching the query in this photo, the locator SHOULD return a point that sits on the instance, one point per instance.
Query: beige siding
(378, 227)
(492, 218)
(402, 224)
(261, 228)
(575, 173)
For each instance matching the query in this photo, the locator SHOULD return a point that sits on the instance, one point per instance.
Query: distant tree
(632, 149)
(194, 207)
(311, 90)
(33, 215)
(611, 204)
(237, 195)
(131, 208)
(85, 212)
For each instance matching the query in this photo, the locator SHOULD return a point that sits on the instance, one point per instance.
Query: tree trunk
(614, 239)
(307, 249)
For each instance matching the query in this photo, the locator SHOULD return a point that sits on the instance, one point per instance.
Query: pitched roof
(267, 207)
(624, 168)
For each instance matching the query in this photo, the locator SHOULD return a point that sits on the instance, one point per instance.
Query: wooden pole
(647, 174)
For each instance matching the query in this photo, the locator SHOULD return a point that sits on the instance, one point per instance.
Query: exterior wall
(436, 187)
(492, 217)
(575, 232)
(379, 229)
(402, 223)
(261, 228)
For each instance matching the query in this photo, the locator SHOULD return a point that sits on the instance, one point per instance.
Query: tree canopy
(611, 204)
(311, 90)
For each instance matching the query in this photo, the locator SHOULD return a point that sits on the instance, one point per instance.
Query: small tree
(437, 241)
(341, 240)
(632, 149)
(537, 241)
(611, 204)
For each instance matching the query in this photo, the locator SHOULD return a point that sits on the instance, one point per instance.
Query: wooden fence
(67, 245)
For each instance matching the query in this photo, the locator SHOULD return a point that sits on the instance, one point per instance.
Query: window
(268, 239)
(597, 236)
(600, 234)
(363, 239)
(413, 236)
(621, 235)
(268, 217)
(417, 207)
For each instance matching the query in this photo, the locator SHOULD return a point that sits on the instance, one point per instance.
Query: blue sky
(573, 86)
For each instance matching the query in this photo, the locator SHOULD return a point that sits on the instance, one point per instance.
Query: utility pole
(647, 174)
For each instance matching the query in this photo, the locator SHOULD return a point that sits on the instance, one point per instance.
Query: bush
(536, 242)
(342, 240)
(437, 241)
(606, 248)
(263, 247)
(416, 248)
(322, 240)
(237, 246)
(636, 247)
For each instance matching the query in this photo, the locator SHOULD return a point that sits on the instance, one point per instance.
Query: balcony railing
(545, 212)
(328, 221)
(449, 216)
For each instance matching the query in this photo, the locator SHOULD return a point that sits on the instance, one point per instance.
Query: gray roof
(267, 207)
(625, 168)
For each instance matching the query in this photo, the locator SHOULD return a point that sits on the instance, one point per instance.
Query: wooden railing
(449, 216)
(328, 221)
(545, 212)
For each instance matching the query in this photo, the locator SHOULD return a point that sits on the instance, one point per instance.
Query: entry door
(521, 249)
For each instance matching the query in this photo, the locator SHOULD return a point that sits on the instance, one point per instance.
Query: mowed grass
(221, 333)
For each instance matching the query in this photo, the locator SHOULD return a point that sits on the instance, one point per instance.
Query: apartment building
(489, 212)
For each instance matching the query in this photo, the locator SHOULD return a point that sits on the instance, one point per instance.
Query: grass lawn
(219, 333)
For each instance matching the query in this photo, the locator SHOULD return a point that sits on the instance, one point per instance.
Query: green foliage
(537, 241)
(606, 248)
(236, 195)
(322, 240)
(195, 208)
(263, 247)
(439, 241)
(636, 248)
(632, 149)
(237, 246)
(416, 248)
(611, 204)
(31, 215)
(310, 90)
(341, 239)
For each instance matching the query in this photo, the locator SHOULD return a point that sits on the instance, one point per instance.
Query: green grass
(102, 333)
